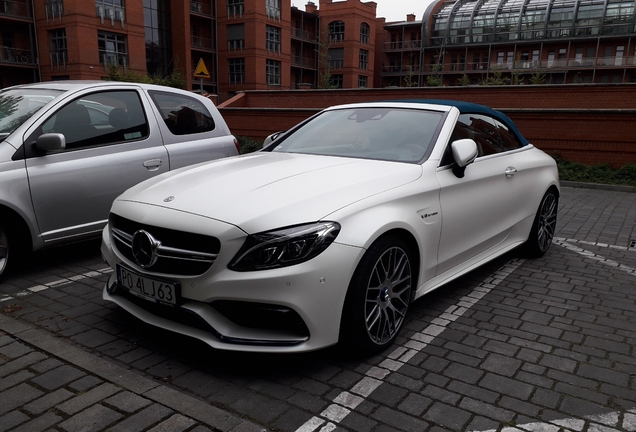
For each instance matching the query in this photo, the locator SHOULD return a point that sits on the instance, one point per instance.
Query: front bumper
(309, 295)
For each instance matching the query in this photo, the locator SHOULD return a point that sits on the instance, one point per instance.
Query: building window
(157, 26)
(362, 81)
(234, 8)
(111, 10)
(336, 81)
(58, 48)
(365, 31)
(272, 70)
(54, 9)
(364, 59)
(336, 58)
(113, 49)
(272, 39)
(336, 31)
(235, 37)
(273, 9)
(236, 70)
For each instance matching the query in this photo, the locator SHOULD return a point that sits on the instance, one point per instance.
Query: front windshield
(18, 105)
(392, 134)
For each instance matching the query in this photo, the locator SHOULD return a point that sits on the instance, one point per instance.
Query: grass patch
(598, 173)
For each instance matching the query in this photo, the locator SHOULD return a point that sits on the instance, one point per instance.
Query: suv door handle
(510, 171)
(153, 164)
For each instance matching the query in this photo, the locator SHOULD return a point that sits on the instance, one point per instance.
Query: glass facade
(158, 36)
(485, 21)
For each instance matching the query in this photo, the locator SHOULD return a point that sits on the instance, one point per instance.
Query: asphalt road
(517, 345)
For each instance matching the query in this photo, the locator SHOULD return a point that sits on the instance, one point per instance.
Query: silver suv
(68, 149)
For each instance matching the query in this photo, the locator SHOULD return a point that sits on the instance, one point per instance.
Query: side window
(508, 139)
(183, 115)
(99, 119)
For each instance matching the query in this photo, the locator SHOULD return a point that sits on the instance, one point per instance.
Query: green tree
(324, 65)
(538, 77)
(176, 79)
(495, 78)
(436, 79)
(463, 81)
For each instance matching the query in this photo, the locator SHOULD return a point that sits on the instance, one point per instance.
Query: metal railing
(304, 35)
(201, 8)
(402, 45)
(16, 55)
(304, 62)
(202, 43)
(15, 8)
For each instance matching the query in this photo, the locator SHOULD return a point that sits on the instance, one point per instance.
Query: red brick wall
(584, 123)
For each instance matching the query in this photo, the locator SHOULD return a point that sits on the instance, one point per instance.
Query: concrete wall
(584, 123)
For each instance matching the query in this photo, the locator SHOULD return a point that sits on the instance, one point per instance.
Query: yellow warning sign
(201, 71)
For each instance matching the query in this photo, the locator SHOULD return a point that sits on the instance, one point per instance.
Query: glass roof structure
(488, 21)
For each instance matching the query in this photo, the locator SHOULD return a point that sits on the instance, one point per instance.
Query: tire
(4, 251)
(378, 297)
(543, 227)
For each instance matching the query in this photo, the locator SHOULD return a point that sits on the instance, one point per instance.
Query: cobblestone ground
(518, 345)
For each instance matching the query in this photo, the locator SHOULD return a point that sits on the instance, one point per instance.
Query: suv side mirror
(50, 142)
(464, 153)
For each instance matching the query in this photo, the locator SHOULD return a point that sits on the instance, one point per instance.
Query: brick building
(268, 44)
(513, 41)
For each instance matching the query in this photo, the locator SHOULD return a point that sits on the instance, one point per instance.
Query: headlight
(284, 247)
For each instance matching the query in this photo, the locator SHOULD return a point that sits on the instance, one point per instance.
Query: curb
(599, 186)
(124, 378)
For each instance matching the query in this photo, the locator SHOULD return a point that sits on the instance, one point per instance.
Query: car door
(478, 210)
(110, 146)
(191, 132)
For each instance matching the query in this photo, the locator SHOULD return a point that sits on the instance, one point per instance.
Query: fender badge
(170, 198)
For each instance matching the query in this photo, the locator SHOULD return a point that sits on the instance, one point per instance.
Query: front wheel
(4, 250)
(543, 227)
(379, 296)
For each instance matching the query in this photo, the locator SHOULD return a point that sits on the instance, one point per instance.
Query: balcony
(17, 56)
(403, 45)
(304, 62)
(19, 9)
(201, 8)
(304, 35)
(201, 43)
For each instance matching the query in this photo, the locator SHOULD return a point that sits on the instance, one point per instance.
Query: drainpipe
(35, 44)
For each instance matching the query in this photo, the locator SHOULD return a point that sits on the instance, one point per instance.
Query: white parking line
(349, 400)
(599, 258)
(607, 422)
(55, 284)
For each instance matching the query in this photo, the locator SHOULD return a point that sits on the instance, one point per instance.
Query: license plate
(147, 288)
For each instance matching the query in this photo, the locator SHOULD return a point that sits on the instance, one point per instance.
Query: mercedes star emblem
(144, 248)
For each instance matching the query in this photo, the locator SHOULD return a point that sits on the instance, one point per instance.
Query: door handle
(153, 164)
(510, 171)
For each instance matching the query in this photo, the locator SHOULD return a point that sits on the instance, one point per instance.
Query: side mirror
(272, 138)
(464, 153)
(51, 142)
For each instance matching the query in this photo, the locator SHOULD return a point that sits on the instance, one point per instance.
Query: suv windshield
(18, 105)
(392, 134)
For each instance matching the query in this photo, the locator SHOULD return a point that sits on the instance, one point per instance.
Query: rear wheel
(379, 296)
(543, 227)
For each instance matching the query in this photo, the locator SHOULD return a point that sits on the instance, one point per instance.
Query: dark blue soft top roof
(472, 108)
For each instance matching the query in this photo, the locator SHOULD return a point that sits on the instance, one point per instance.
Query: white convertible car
(333, 229)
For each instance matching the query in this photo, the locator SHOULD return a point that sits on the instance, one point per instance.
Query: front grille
(179, 252)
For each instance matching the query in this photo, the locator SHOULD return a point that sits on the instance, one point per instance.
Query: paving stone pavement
(517, 345)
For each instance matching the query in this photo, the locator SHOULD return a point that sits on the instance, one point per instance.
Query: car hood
(263, 191)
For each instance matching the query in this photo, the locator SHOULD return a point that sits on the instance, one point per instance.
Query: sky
(396, 10)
